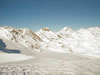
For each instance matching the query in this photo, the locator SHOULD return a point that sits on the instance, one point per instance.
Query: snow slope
(5, 57)
(70, 52)
(66, 40)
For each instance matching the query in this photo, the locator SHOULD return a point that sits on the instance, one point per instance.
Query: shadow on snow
(3, 48)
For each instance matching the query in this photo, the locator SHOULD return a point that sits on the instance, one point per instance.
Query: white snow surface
(66, 52)
(13, 57)
(66, 40)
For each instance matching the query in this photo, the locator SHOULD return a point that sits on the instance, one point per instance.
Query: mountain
(46, 34)
(21, 39)
(68, 51)
(66, 40)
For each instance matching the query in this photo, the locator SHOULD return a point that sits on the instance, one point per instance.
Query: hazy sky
(55, 14)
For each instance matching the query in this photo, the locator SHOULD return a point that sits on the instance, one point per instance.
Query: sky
(54, 14)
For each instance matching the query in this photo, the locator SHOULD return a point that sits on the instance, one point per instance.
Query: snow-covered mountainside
(66, 40)
(21, 37)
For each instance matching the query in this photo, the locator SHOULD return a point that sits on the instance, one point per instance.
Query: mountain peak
(65, 29)
(46, 29)
(8, 27)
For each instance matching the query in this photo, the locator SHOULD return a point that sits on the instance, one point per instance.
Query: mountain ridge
(66, 40)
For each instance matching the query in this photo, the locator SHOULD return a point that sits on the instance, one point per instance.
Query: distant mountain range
(66, 40)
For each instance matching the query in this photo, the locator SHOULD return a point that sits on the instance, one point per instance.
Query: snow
(65, 40)
(56, 50)
(64, 52)
(4, 57)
